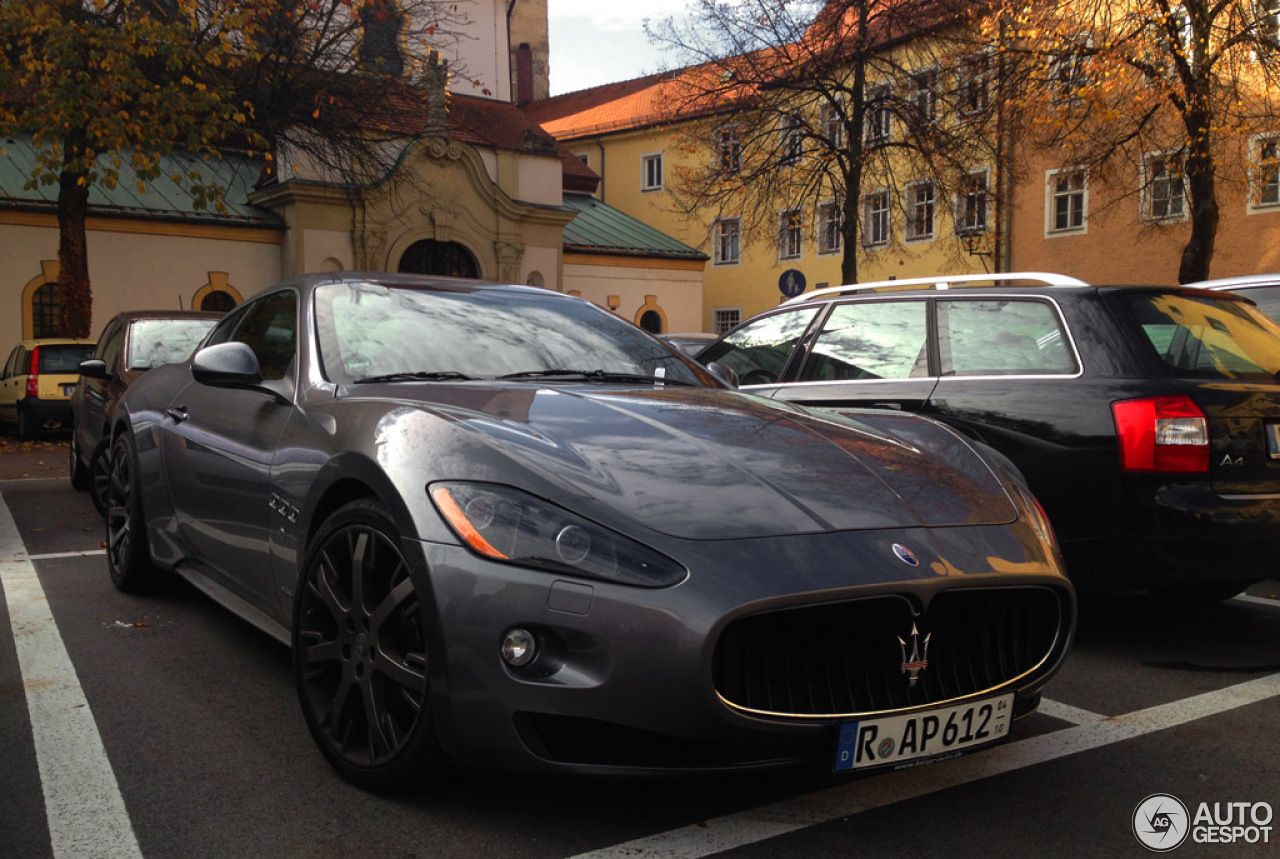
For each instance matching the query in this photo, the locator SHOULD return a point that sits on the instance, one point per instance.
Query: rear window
(1210, 338)
(63, 359)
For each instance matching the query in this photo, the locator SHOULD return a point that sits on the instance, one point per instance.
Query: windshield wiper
(594, 376)
(419, 376)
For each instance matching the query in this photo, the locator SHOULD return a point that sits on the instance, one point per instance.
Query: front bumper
(627, 682)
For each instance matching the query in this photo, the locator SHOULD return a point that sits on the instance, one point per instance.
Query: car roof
(56, 341)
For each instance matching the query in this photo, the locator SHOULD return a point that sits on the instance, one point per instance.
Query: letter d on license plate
(893, 740)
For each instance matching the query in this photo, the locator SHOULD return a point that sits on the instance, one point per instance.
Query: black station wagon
(1145, 419)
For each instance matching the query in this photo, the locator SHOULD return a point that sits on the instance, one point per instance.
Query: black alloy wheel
(127, 552)
(99, 477)
(79, 474)
(360, 652)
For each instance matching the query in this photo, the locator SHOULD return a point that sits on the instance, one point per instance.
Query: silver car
(500, 527)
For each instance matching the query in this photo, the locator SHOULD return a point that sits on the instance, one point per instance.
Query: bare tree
(847, 103)
(1174, 92)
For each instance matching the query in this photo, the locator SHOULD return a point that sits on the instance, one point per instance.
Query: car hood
(711, 464)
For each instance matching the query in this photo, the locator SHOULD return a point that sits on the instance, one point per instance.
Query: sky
(601, 41)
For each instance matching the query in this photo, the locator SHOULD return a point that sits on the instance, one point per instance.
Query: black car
(1145, 419)
(131, 343)
(499, 525)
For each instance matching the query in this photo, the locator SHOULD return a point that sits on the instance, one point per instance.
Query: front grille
(845, 658)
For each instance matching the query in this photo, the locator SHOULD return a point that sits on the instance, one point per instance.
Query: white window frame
(964, 225)
(1264, 178)
(1149, 188)
(725, 319)
(584, 157)
(790, 139)
(726, 230)
(878, 117)
(1268, 15)
(1068, 72)
(830, 234)
(790, 234)
(924, 94)
(973, 75)
(728, 150)
(912, 205)
(647, 170)
(833, 125)
(1051, 196)
(877, 219)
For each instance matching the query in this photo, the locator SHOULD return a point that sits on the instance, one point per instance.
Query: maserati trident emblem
(918, 660)
(905, 555)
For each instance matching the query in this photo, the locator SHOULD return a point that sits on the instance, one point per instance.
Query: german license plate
(896, 740)
(1273, 440)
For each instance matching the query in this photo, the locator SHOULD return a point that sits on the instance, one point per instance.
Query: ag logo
(1160, 822)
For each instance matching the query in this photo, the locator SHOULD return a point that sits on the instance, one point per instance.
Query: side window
(1267, 298)
(8, 364)
(110, 345)
(871, 340)
(268, 326)
(1002, 338)
(759, 350)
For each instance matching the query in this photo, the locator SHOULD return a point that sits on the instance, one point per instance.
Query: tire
(98, 477)
(128, 556)
(79, 474)
(359, 647)
(1202, 594)
(26, 432)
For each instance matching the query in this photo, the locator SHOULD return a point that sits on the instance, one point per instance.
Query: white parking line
(1067, 713)
(1269, 603)
(86, 814)
(748, 827)
(55, 555)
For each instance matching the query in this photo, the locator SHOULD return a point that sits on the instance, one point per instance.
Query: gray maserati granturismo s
(500, 527)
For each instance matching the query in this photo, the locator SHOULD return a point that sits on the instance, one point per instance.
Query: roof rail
(945, 282)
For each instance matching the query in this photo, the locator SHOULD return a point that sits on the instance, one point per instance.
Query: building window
(875, 219)
(924, 95)
(726, 240)
(1164, 194)
(1269, 20)
(651, 172)
(791, 142)
(879, 123)
(1067, 71)
(1266, 171)
(921, 201)
(971, 205)
(46, 312)
(830, 228)
(790, 224)
(725, 319)
(217, 300)
(381, 23)
(729, 150)
(971, 84)
(833, 125)
(1067, 204)
(585, 158)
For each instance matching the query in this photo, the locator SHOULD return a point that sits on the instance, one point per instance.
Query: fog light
(519, 647)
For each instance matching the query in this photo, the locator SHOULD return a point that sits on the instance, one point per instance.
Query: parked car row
(500, 527)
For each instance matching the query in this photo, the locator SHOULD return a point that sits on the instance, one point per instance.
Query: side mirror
(231, 364)
(94, 368)
(723, 373)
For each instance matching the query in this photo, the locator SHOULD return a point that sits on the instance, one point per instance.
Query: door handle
(179, 414)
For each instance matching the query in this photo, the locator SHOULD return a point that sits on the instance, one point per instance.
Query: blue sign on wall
(791, 283)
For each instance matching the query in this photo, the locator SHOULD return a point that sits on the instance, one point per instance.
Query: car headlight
(504, 524)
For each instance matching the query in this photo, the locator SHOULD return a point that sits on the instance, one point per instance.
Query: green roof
(163, 198)
(601, 229)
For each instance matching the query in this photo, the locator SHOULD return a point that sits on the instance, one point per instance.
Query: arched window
(217, 300)
(650, 321)
(46, 312)
(444, 258)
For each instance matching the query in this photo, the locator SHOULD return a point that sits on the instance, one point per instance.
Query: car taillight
(1162, 434)
(33, 374)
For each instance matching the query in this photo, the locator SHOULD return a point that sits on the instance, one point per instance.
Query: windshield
(1211, 338)
(367, 330)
